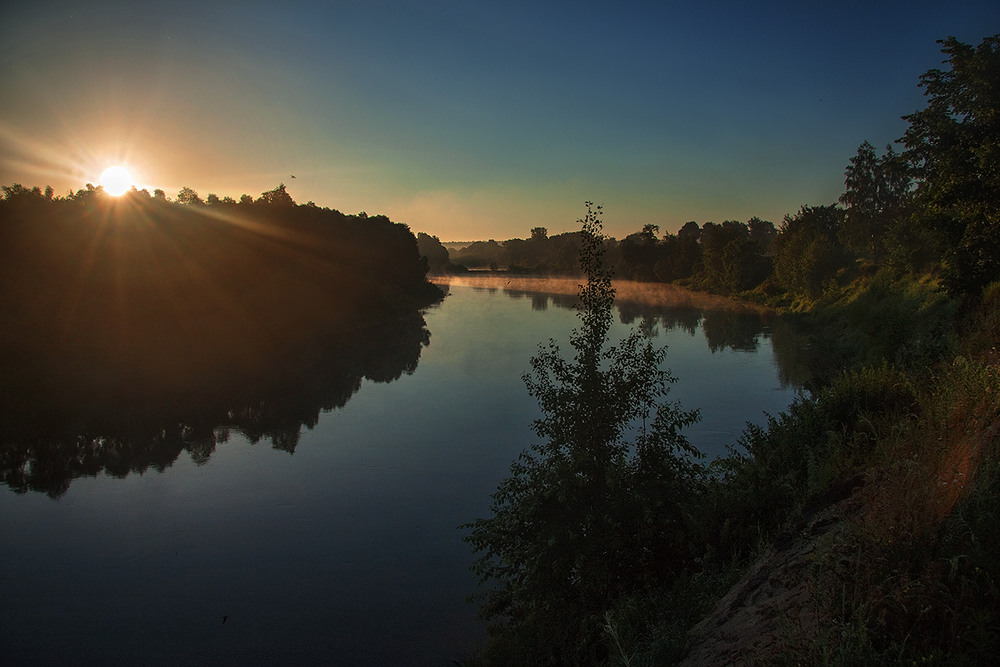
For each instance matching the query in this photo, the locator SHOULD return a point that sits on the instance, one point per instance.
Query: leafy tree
(686, 255)
(437, 255)
(640, 253)
(188, 196)
(586, 517)
(649, 233)
(953, 149)
(762, 233)
(806, 251)
(743, 266)
(480, 254)
(277, 197)
(877, 191)
(725, 256)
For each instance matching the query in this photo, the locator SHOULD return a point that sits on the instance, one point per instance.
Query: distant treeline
(932, 208)
(141, 301)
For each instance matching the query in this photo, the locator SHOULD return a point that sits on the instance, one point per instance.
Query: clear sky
(472, 120)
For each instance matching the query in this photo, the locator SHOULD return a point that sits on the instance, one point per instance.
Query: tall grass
(908, 426)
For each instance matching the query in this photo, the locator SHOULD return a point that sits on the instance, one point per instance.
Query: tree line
(126, 317)
(609, 540)
(933, 207)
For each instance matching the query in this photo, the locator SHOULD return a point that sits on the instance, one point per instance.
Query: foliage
(913, 574)
(932, 209)
(480, 255)
(807, 253)
(276, 197)
(877, 190)
(882, 318)
(138, 307)
(188, 196)
(587, 516)
(915, 578)
(953, 149)
(435, 253)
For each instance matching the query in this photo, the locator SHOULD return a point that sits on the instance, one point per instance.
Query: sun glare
(116, 180)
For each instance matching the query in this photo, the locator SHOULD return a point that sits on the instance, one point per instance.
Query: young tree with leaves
(589, 514)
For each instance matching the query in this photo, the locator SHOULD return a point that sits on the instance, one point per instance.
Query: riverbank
(858, 525)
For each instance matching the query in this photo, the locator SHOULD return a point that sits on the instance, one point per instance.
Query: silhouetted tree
(188, 196)
(640, 254)
(276, 197)
(686, 255)
(586, 517)
(430, 247)
(953, 149)
(876, 193)
(726, 256)
(806, 250)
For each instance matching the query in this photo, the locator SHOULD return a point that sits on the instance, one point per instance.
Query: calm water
(345, 551)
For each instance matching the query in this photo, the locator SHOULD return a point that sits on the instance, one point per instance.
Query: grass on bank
(912, 410)
(906, 414)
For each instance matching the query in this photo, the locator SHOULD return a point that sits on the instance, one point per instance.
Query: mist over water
(735, 361)
(343, 548)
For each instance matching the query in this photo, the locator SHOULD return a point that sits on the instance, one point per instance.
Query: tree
(952, 150)
(876, 193)
(277, 197)
(762, 233)
(806, 251)
(686, 255)
(720, 271)
(430, 247)
(188, 196)
(640, 254)
(649, 233)
(586, 517)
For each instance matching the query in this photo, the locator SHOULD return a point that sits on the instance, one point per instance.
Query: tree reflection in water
(135, 328)
(60, 427)
(726, 323)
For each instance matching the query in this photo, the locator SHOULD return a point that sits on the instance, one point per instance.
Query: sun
(116, 180)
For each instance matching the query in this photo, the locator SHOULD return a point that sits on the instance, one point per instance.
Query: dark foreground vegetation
(135, 327)
(610, 541)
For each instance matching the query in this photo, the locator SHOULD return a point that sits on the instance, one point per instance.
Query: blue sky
(472, 120)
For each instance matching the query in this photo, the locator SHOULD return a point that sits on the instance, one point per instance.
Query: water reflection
(60, 420)
(726, 323)
(60, 426)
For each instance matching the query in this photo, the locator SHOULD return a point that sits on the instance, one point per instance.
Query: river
(320, 524)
